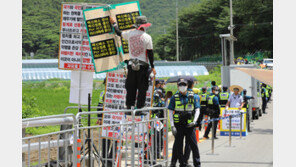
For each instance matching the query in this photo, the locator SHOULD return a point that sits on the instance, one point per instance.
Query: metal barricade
(137, 141)
(51, 149)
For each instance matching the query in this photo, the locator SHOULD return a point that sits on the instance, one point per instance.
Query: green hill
(41, 21)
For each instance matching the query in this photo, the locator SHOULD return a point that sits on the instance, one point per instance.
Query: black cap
(157, 81)
(182, 80)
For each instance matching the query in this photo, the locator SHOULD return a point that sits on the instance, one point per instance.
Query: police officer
(268, 88)
(246, 105)
(187, 145)
(158, 102)
(181, 108)
(157, 84)
(213, 110)
(264, 95)
(203, 105)
(223, 96)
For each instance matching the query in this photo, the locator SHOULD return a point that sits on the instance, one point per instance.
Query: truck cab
(232, 76)
(268, 63)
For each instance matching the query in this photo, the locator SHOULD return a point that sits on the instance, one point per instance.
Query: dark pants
(175, 154)
(189, 134)
(210, 126)
(187, 150)
(136, 81)
(201, 115)
(264, 102)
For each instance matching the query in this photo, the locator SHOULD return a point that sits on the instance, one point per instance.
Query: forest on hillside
(200, 23)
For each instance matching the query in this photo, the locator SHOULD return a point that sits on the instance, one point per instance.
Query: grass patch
(51, 97)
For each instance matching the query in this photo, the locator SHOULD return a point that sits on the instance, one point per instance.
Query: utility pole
(177, 32)
(231, 27)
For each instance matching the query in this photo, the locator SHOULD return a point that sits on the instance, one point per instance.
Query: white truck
(232, 76)
(268, 63)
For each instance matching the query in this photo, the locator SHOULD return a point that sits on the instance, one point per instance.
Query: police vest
(184, 113)
(158, 113)
(223, 98)
(210, 101)
(203, 101)
(265, 93)
(246, 105)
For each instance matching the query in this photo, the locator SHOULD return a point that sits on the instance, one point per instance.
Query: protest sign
(235, 122)
(73, 43)
(109, 51)
(115, 100)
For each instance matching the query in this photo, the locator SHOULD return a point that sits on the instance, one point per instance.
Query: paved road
(255, 150)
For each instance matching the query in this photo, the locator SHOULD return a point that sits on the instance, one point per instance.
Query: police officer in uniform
(213, 110)
(203, 105)
(264, 95)
(187, 145)
(184, 110)
(246, 105)
(223, 97)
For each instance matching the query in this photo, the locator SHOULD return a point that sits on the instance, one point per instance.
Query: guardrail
(138, 141)
(57, 143)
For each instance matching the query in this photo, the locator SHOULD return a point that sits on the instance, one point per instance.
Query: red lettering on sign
(84, 48)
(77, 66)
(116, 117)
(67, 24)
(77, 24)
(85, 43)
(78, 7)
(86, 60)
(66, 6)
(83, 31)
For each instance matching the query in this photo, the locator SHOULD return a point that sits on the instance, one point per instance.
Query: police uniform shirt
(215, 99)
(184, 100)
(235, 100)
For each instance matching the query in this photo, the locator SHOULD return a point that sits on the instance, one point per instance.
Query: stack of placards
(109, 51)
(115, 100)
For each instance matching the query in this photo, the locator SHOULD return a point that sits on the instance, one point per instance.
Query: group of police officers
(187, 108)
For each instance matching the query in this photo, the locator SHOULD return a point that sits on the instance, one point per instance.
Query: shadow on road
(262, 131)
